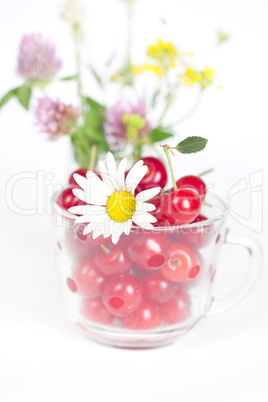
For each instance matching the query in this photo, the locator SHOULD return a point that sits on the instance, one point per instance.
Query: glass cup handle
(218, 306)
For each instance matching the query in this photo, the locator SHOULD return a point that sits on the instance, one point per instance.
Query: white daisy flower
(113, 206)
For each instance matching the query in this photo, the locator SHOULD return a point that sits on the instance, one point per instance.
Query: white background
(43, 357)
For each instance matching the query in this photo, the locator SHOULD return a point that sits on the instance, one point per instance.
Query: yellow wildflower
(203, 77)
(137, 70)
(165, 52)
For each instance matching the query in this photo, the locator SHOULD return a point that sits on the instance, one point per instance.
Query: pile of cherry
(143, 279)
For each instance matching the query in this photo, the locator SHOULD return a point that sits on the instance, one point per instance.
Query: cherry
(182, 265)
(193, 182)
(149, 251)
(177, 309)
(156, 175)
(82, 172)
(181, 207)
(94, 310)
(200, 218)
(122, 295)
(147, 316)
(161, 220)
(67, 199)
(158, 289)
(113, 262)
(89, 281)
(197, 236)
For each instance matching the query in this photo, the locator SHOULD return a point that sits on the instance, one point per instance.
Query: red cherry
(94, 310)
(82, 172)
(200, 218)
(147, 316)
(198, 236)
(149, 251)
(156, 175)
(157, 201)
(67, 199)
(181, 207)
(89, 281)
(177, 309)
(182, 265)
(122, 295)
(113, 263)
(158, 289)
(193, 182)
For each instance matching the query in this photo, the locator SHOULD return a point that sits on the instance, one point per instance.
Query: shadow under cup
(151, 287)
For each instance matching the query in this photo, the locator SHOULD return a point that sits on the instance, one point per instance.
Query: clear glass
(150, 288)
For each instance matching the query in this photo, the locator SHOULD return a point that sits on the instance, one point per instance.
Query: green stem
(105, 249)
(92, 162)
(78, 66)
(129, 41)
(208, 204)
(206, 172)
(166, 150)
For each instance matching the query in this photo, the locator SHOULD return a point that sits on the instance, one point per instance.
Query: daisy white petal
(143, 217)
(147, 194)
(86, 209)
(96, 192)
(121, 173)
(98, 217)
(81, 194)
(145, 206)
(145, 225)
(111, 165)
(95, 234)
(105, 176)
(88, 228)
(115, 239)
(103, 169)
(80, 180)
(83, 219)
(105, 235)
(138, 178)
(127, 226)
(134, 171)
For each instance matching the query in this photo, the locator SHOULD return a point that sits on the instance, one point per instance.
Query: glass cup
(154, 285)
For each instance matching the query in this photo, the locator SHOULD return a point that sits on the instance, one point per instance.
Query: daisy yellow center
(121, 206)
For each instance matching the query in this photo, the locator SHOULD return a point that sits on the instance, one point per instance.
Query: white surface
(43, 357)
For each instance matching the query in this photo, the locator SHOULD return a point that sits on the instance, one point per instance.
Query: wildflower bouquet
(131, 121)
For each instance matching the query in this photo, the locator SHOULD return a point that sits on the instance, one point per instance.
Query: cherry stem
(206, 172)
(166, 149)
(208, 204)
(205, 203)
(105, 249)
(92, 162)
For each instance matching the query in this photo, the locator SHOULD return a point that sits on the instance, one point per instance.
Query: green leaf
(71, 77)
(24, 95)
(10, 94)
(82, 145)
(158, 134)
(94, 104)
(191, 145)
(93, 120)
(222, 37)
